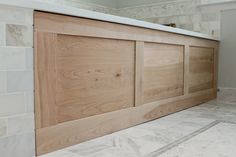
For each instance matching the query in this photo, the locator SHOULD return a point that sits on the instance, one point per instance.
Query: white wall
(186, 14)
(106, 3)
(16, 83)
(227, 59)
(84, 5)
(117, 4)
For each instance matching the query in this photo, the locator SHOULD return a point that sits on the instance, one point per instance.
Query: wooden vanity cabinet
(93, 77)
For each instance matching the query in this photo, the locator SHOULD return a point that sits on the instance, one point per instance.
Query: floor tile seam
(183, 139)
(226, 121)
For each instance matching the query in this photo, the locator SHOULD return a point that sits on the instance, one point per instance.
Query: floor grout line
(225, 121)
(183, 139)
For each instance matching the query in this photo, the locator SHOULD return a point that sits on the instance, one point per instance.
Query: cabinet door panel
(91, 76)
(201, 69)
(163, 71)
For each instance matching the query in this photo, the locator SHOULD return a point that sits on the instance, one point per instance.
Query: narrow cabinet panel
(139, 73)
(201, 69)
(163, 71)
(45, 77)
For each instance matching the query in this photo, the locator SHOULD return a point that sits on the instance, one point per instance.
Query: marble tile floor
(207, 130)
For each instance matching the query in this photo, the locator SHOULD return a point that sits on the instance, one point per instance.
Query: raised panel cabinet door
(201, 69)
(163, 71)
(81, 77)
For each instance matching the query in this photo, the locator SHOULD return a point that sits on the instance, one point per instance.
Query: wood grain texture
(45, 76)
(55, 137)
(163, 71)
(55, 23)
(62, 24)
(201, 66)
(139, 73)
(186, 69)
(81, 77)
(94, 76)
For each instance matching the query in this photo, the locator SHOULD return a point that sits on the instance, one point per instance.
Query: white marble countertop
(54, 8)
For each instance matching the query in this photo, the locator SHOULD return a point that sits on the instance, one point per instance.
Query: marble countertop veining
(66, 10)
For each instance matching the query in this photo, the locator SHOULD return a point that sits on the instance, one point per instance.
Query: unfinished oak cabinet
(93, 77)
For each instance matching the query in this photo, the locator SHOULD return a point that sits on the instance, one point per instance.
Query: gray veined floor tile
(216, 110)
(113, 152)
(138, 141)
(61, 153)
(159, 134)
(218, 141)
(110, 145)
(93, 146)
(165, 130)
(142, 139)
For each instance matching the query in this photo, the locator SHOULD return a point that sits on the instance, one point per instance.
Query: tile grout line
(183, 139)
(225, 121)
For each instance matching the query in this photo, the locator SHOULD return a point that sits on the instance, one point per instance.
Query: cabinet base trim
(70, 133)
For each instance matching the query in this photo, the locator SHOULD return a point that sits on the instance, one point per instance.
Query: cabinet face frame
(55, 137)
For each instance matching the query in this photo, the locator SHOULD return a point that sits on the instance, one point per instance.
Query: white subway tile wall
(29, 97)
(2, 34)
(186, 14)
(84, 5)
(12, 58)
(12, 104)
(2, 81)
(19, 81)
(29, 55)
(14, 15)
(19, 35)
(3, 127)
(17, 135)
(20, 124)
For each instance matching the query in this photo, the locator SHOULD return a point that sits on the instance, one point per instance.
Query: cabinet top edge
(72, 11)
